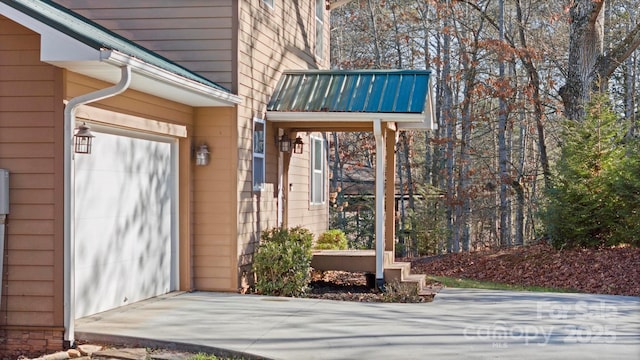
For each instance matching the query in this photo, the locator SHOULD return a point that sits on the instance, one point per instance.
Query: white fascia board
(302, 116)
(183, 89)
(428, 122)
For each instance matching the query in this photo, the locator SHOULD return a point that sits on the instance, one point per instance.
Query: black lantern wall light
(297, 145)
(285, 143)
(82, 139)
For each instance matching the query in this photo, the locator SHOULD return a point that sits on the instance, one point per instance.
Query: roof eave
(182, 88)
(404, 121)
(60, 49)
(301, 116)
(429, 119)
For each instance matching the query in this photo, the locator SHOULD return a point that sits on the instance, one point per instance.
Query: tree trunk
(449, 120)
(410, 186)
(586, 36)
(505, 238)
(396, 38)
(517, 183)
(374, 29)
(631, 66)
(338, 179)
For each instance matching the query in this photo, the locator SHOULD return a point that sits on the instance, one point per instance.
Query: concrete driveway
(460, 323)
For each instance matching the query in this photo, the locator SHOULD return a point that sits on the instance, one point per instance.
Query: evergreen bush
(282, 264)
(595, 197)
(334, 239)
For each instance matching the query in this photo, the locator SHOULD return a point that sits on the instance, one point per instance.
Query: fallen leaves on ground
(614, 271)
(347, 286)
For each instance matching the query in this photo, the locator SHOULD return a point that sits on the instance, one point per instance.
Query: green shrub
(332, 240)
(283, 262)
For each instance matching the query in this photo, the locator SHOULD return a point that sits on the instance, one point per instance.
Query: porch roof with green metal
(401, 96)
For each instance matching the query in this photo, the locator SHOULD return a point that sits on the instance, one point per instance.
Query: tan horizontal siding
(195, 34)
(30, 148)
(37, 318)
(269, 42)
(31, 227)
(32, 212)
(146, 3)
(213, 204)
(30, 272)
(29, 242)
(25, 119)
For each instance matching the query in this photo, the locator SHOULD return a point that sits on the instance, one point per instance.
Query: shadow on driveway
(460, 323)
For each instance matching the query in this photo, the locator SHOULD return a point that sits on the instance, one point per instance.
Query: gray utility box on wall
(4, 192)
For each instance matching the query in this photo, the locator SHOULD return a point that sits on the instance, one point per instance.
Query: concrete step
(397, 271)
(419, 279)
(401, 272)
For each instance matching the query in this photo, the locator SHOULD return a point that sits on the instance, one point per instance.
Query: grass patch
(478, 284)
(204, 356)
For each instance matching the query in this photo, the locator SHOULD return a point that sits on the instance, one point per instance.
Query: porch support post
(380, 157)
(390, 191)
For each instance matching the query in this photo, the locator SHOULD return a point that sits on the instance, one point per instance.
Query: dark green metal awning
(402, 96)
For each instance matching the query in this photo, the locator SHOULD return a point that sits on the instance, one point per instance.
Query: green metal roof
(352, 91)
(98, 37)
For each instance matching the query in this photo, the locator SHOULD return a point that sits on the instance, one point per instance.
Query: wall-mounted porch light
(284, 143)
(297, 145)
(82, 139)
(202, 155)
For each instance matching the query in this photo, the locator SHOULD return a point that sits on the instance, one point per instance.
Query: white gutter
(380, 157)
(69, 198)
(148, 70)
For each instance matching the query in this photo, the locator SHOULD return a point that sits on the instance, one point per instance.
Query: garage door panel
(124, 205)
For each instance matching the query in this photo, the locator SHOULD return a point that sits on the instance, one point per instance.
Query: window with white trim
(320, 4)
(259, 136)
(318, 171)
(269, 3)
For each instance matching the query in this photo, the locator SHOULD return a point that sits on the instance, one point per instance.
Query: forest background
(514, 81)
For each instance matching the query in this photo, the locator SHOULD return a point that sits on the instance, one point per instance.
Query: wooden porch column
(389, 190)
(379, 134)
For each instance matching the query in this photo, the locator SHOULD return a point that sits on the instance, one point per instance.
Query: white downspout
(69, 196)
(380, 157)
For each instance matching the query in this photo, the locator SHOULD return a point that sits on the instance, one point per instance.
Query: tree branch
(616, 56)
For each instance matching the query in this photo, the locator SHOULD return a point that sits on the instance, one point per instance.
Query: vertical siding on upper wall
(270, 40)
(30, 148)
(197, 34)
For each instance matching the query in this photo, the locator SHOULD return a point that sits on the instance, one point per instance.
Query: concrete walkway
(460, 323)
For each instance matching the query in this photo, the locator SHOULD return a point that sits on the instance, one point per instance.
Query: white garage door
(125, 221)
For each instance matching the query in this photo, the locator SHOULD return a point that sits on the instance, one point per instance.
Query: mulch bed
(346, 286)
